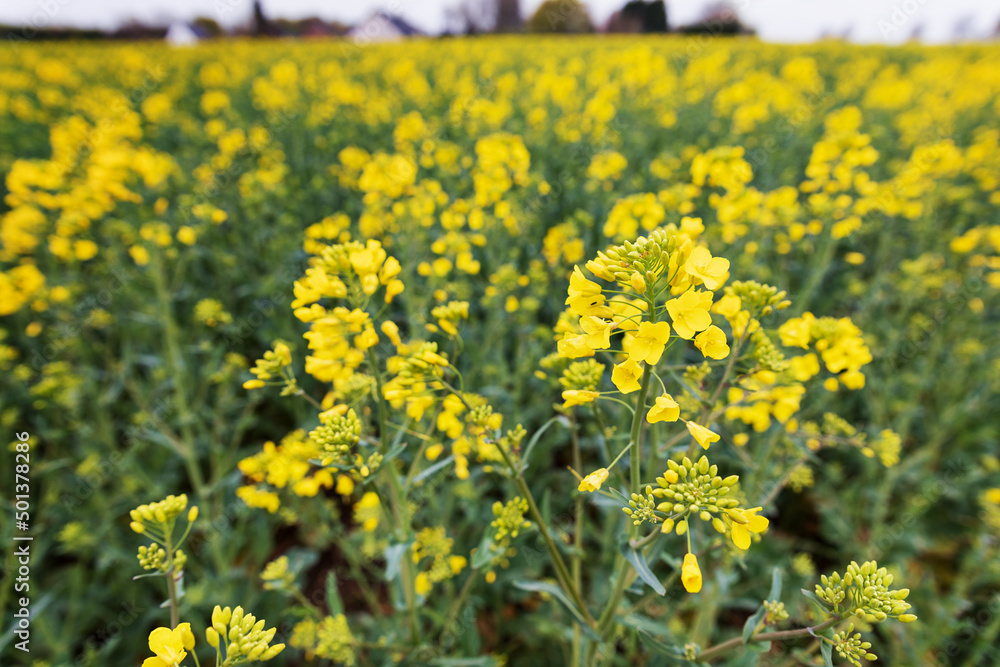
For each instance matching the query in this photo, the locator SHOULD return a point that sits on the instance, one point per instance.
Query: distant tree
(561, 16)
(508, 16)
(718, 19)
(471, 17)
(210, 26)
(640, 16)
(261, 26)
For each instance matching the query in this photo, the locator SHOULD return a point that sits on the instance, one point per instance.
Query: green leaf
(642, 624)
(481, 661)
(400, 432)
(816, 599)
(638, 561)
(619, 495)
(424, 474)
(393, 553)
(332, 595)
(750, 627)
(751, 655)
(827, 651)
(393, 453)
(775, 592)
(558, 419)
(556, 592)
(672, 652)
(484, 552)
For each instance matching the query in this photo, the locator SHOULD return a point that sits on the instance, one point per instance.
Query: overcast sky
(890, 21)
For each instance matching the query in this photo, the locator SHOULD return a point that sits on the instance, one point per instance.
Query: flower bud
(638, 283)
(212, 637)
(272, 652)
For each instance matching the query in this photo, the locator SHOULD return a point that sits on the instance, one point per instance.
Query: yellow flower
(712, 343)
(649, 342)
(578, 397)
(423, 584)
(804, 367)
(626, 376)
(187, 235)
(345, 485)
(797, 331)
(665, 410)
(169, 645)
(575, 347)
(853, 379)
(691, 574)
(745, 522)
(689, 313)
(598, 332)
(585, 297)
(139, 255)
(593, 481)
(457, 563)
(391, 331)
(728, 306)
(704, 436)
(712, 271)
(638, 283)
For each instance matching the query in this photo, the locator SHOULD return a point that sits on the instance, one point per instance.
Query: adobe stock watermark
(900, 15)
(42, 17)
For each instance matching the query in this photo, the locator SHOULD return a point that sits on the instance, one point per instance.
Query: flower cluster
(240, 638)
(839, 343)
(864, 592)
(157, 521)
(288, 465)
(507, 525)
(434, 544)
(330, 639)
(665, 260)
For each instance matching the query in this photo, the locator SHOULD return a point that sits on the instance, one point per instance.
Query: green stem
(575, 563)
(804, 295)
(635, 456)
(607, 617)
(562, 572)
(172, 585)
(456, 606)
(176, 367)
(397, 501)
(735, 642)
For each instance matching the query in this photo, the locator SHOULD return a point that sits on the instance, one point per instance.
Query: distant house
(185, 34)
(383, 27)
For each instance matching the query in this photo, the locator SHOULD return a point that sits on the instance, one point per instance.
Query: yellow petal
(741, 536)
(691, 574)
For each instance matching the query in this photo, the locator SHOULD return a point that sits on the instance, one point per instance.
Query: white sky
(890, 21)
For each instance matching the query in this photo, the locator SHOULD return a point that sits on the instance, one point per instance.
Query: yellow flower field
(501, 351)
